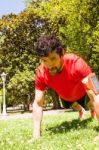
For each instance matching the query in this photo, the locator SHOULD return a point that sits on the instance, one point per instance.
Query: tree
(75, 22)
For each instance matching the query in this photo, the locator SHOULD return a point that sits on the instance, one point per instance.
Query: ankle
(82, 109)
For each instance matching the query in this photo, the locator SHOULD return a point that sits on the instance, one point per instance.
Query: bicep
(39, 97)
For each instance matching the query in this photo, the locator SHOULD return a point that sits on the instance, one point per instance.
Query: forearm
(90, 94)
(96, 105)
(95, 101)
(37, 118)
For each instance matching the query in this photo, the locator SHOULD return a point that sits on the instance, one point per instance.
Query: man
(64, 73)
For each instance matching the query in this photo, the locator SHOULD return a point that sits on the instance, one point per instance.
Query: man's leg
(73, 105)
(76, 106)
(82, 104)
(65, 104)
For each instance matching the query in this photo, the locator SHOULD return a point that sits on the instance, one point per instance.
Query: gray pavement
(29, 115)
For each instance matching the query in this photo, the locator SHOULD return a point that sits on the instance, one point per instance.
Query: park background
(76, 22)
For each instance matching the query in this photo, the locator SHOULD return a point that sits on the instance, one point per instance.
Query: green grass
(59, 132)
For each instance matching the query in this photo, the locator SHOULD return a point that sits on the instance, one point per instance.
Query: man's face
(53, 62)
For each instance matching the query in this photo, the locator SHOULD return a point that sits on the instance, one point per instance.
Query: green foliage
(94, 61)
(17, 54)
(76, 23)
(20, 85)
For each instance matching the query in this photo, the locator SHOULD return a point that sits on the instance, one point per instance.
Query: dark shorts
(83, 102)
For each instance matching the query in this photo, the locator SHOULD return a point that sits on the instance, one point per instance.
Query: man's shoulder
(70, 56)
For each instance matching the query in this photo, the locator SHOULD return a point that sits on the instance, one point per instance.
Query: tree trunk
(27, 103)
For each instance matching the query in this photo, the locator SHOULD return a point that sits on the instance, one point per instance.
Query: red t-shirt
(67, 83)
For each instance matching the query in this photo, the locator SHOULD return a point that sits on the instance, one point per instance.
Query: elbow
(37, 105)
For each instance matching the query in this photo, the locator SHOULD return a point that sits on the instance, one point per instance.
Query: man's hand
(96, 105)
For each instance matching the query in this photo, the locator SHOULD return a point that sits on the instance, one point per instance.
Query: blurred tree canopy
(76, 22)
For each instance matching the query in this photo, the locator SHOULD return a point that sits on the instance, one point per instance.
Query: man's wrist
(36, 136)
(36, 133)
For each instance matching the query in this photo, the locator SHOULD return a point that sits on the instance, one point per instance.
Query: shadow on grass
(70, 125)
(97, 128)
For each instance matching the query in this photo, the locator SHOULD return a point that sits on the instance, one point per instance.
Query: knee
(76, 106)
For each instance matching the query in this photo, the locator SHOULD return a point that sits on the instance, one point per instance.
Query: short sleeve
(39, 81)
(82, 67)
(79, 69)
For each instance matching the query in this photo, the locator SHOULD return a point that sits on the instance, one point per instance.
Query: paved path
(27, 115)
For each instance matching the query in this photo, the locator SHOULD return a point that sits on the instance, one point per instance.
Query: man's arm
(92, 91)
(37, 113)
(95, 101)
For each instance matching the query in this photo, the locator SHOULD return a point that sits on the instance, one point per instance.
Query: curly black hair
(46, 44)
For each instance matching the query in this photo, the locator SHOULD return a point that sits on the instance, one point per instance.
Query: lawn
(63, 131)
